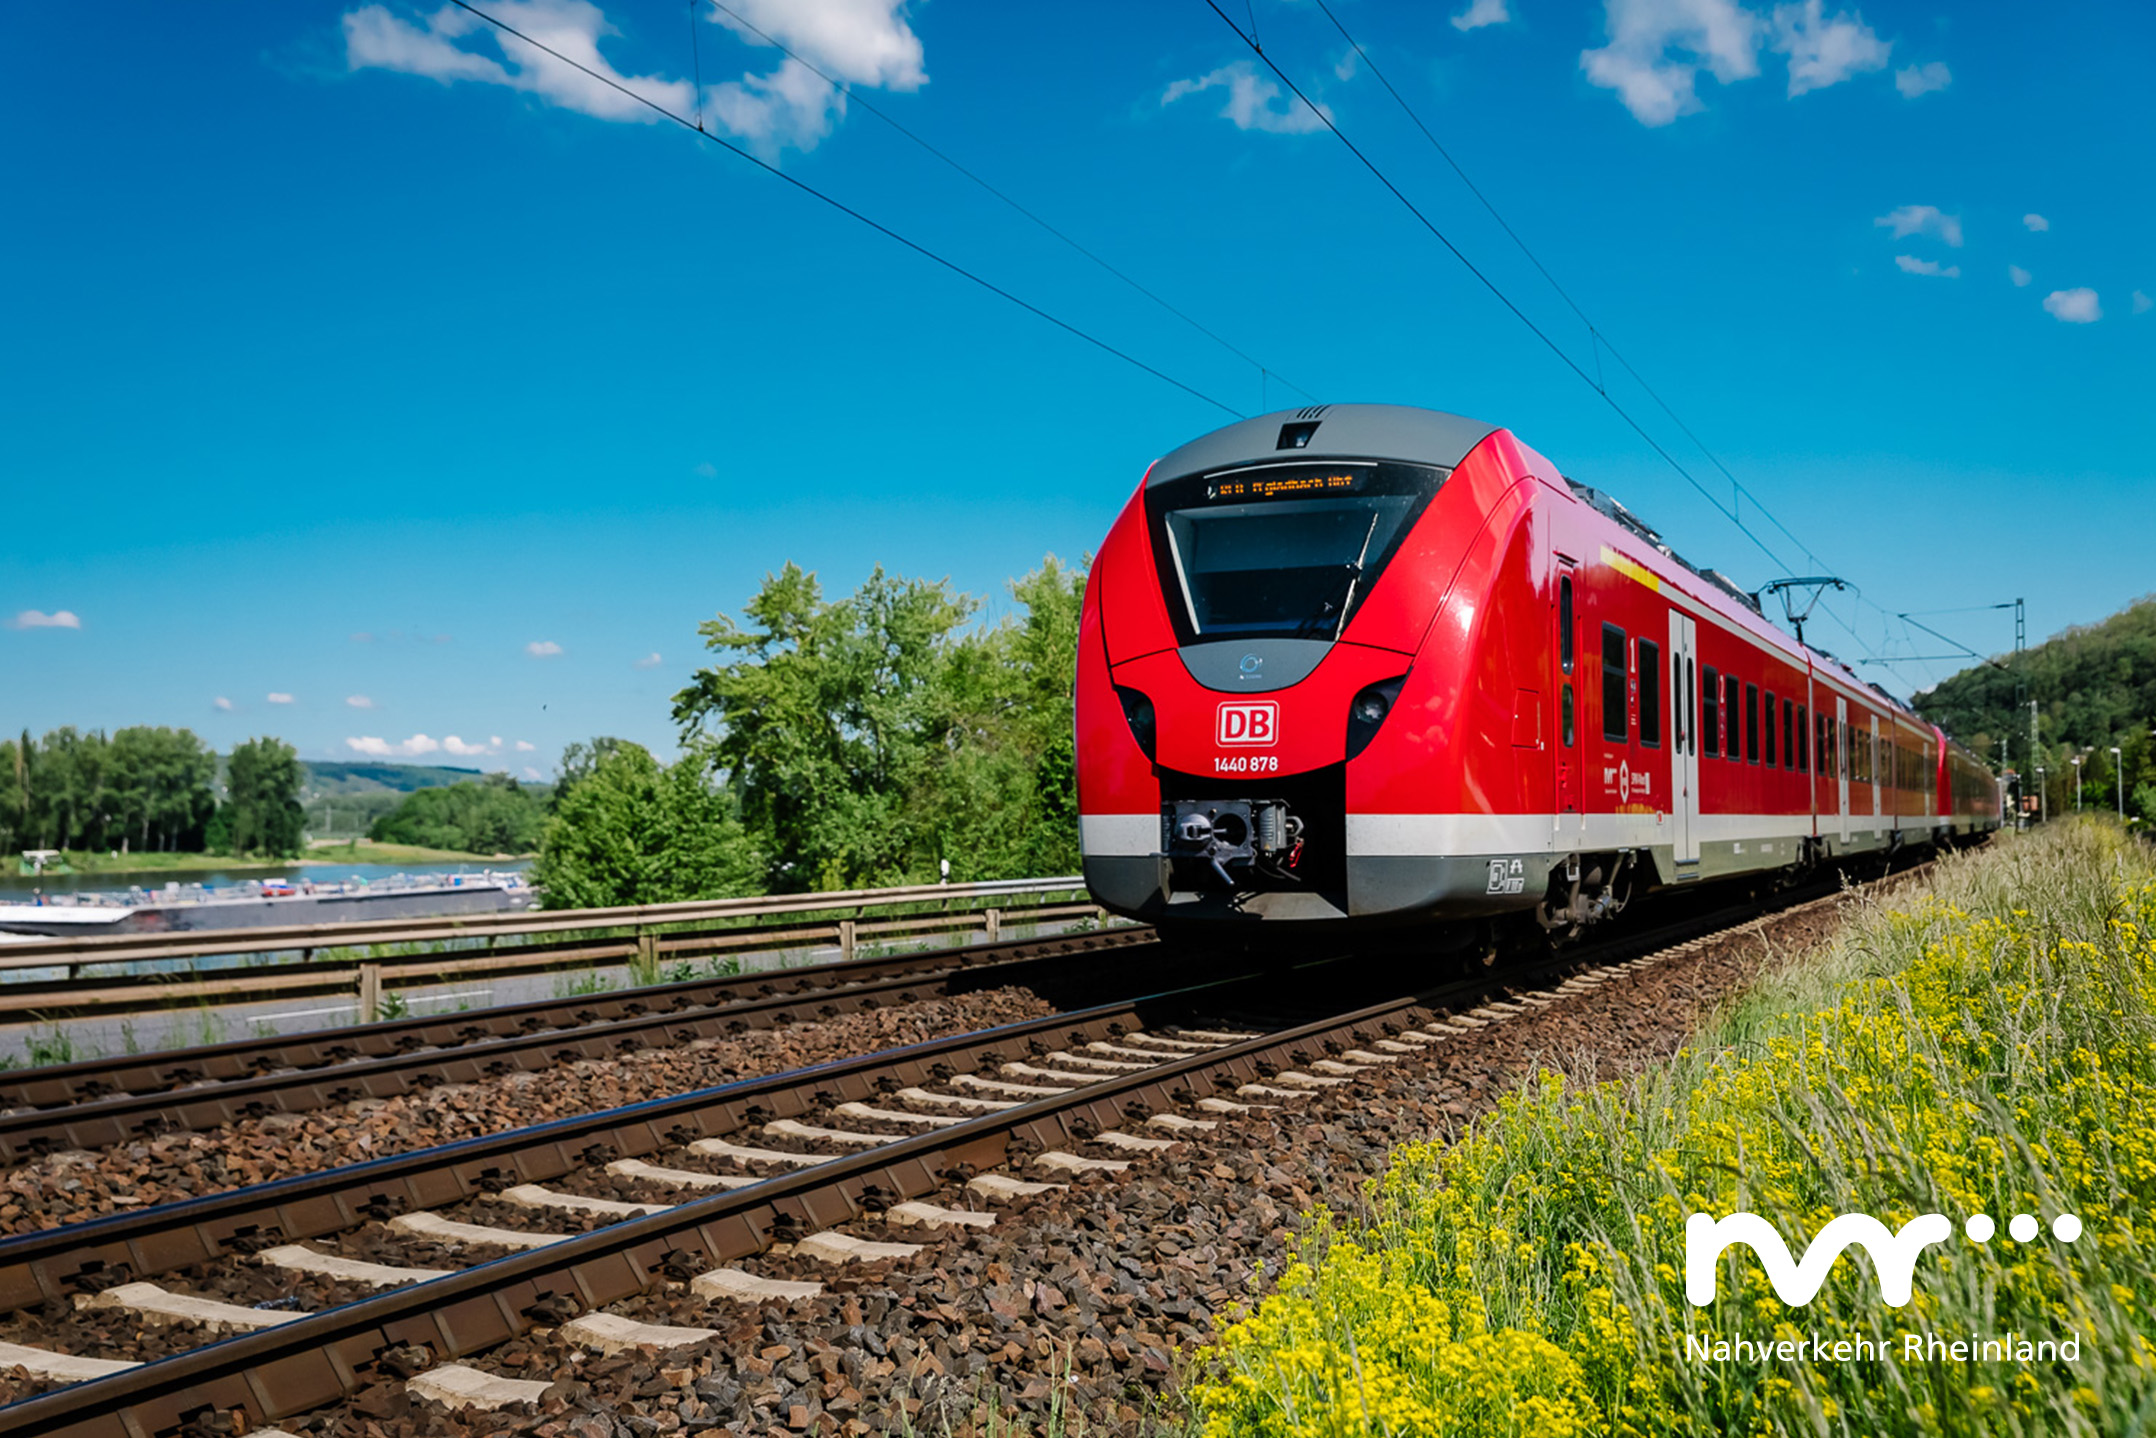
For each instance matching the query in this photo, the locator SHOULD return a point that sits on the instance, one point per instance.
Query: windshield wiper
(1326, 609)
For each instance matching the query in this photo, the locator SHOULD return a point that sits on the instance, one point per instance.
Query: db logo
(1250, 722)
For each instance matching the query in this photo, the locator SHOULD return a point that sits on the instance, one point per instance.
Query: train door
(1568, 824)
(1841, 760)
(1878, 780)
(1683, 742)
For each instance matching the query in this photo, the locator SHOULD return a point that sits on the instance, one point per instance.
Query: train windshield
(1281, 550)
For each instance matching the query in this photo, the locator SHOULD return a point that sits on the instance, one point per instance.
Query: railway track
(865, 1161)
(102, 1102)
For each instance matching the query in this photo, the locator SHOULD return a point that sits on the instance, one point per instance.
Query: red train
(1371, 662)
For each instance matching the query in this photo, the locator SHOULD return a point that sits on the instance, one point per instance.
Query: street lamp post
(2118, 769)
(2077, 783)
(2043, 800)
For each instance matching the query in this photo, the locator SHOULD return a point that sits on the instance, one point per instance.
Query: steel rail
(295, 1367)
(59, 1263)
(304, 1364)
(93, 1079)
(196, 1106)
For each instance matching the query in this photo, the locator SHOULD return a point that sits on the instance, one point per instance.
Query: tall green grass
(1983, 1045)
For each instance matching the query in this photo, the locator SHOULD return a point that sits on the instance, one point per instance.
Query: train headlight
(1367, 711)
(1138, 710)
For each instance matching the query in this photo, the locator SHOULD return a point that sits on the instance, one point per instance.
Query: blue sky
(356, 357)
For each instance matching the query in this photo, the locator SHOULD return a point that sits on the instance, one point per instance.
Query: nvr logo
(1250, 722)
(1894, 1254)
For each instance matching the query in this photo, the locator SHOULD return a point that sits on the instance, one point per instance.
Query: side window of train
(1769, 737)
(1614, 718)
(1732, 714)
(1751, 723)
(1564, 624)
(1804, 739)
(1710, 710)
(1566, 707)
(1789, 745)
(1650, 693)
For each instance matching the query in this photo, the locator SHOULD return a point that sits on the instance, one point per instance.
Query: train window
(1710, 710)
(1751, 723)
(1280, 550)
(1804, 739)
(1769, 736)
(1789, 746)
(1568, 716)
(1615, 722)
(1564, 623)
(1650, 693)
(1732, 717)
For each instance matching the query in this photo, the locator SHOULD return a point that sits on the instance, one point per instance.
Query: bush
(1983, 1049)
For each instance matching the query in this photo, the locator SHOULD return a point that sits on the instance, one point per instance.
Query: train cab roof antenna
(1787, 589)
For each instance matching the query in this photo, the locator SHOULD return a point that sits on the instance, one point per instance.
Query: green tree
(632, 831)
(493, 816)
(577, 762)
(159, 782)
(1001, 799)
(824, 716)
(262, 780)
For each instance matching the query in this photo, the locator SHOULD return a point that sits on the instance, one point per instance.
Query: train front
(1257, 620)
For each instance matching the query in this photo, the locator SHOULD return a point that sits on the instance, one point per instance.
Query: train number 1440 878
(1247, 764)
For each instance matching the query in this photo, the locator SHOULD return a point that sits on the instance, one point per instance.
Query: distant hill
(2094, 686)
(331, 777)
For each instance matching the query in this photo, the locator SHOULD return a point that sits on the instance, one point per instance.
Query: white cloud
(403, 749)
(531, 773)
(1911, 265)
(375, 38)
(466, 751)
(1252, 101)
(525, 746)
(650, 661)
(1915, 80)
(1922, 220)
(220, 702)
(1479, 14)
(278, 698)
(2142, 303)
(359, 701)
(858, 42)
(1657, 48)
(495, 740)
(2036, 222)
(2019, 276)
(542, 649)
(363, 638)
(1345, 67)
(707, 470)
(39, 619)
(2076, 307)
(1825, 52)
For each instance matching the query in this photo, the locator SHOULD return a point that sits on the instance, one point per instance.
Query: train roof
(1373, 431)
(1430, 436)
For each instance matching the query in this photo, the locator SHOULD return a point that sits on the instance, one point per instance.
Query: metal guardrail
(347, 958)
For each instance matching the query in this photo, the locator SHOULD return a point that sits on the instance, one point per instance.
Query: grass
(366, 851)
(329, 852)
(1985, 1046)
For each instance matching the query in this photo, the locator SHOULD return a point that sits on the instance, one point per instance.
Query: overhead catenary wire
(1496, 290)
(1265, 371)
(1599, 341)
(850, 212)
